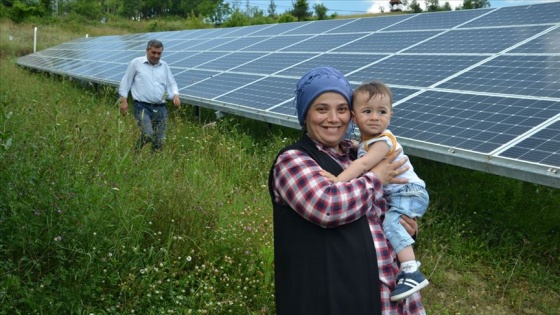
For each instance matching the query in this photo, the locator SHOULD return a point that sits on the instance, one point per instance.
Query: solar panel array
(474, 88)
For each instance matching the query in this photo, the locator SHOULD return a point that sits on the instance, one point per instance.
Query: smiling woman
(324, 233)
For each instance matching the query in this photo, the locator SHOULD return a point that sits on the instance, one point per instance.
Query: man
(151, 82)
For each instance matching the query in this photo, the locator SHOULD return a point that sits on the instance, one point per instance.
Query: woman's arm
(298, 183)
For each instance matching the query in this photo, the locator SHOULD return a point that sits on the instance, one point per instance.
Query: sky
(350, 7)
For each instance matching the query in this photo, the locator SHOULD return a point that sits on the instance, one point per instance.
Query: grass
(86, 227)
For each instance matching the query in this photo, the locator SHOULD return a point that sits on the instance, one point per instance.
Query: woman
(326, 260)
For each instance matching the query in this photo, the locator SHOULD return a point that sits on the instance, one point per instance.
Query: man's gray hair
(154, 43)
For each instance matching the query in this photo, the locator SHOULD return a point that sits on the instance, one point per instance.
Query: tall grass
(88, 227)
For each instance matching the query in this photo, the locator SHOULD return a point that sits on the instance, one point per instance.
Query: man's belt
(150, 104)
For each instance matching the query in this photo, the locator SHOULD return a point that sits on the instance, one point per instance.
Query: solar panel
(474, 88)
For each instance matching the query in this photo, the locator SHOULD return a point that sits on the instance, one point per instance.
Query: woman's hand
(329, 176)
(410, 225)
(388, 169)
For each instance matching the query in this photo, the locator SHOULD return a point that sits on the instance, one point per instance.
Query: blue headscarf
(316, 82)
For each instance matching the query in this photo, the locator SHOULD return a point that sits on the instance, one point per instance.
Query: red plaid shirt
(297, 182)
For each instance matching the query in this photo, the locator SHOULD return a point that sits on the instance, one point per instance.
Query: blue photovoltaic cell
(209, 44)
(248, 30)
(481, 41)
(231, 61)
(176, 45)
(519, 15)
(196, 34)
(273, 63)
(107, 56)
(197, 59)
(54, 52)
(77, 69)
(542, 147)
(323, 43)
(175, 58)
(187, 78)
(263, 94)
(437, 20)
(70, 65)
(286, 108)
(38, 62)
(112, 71)
(400, 93)
(278, 29)
(138, 45)
(164, 36)
(470, 122)
(520, 75)
(127, 56)
(219, 84)
(318, 27)
(95, 72)
(71, 44)
(345, 63)
(128, 37)
(548, 43)
(51, 64)
(183, 45)
(240, 43)
(421, 70)
(228, 32)
(369, 25)
(386, 42)
(276, 43)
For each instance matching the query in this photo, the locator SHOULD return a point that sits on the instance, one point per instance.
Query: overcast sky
(370, 6)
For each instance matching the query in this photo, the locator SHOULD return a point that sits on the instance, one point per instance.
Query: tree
(320, 11)
(446, 7)
(187, 7)
(154, 8)
(254, 12)
(301, 10)
(237, 18)
(220, 12)
(22, 11)
(235, 5)
(286, 17)
(195, 22)
(86, 8)
(131, 8)
(415, 7)
(111, 6)
(47, 6)
(475, 4)
(272, 9)
(432, 5)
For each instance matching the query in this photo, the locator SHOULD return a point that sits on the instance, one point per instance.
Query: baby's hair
(372, 89)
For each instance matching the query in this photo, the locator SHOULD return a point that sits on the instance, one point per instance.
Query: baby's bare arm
(376, 152)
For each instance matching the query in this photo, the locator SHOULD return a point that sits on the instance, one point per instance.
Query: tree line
(216, 12)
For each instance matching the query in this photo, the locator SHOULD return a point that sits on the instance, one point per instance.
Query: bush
(286, 18)
(19, 12)
(237, 18)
